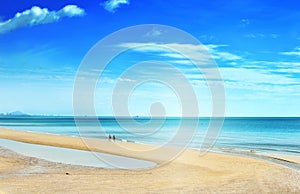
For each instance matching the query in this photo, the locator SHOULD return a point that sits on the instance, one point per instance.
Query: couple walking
(112, 137)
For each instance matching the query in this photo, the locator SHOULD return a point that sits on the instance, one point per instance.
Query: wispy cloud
(198, 53)
(174, 52)
(295, 52)
(126, 80)
(261, 35)
(255, 76)
(245, 22)
(239, 73)
(272, 65)
(112, 5)
(222, 55)
(262, 80)
(37, 16)
(153, 33)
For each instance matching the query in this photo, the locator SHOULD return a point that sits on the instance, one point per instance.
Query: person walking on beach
(109, 137)
(114, 137)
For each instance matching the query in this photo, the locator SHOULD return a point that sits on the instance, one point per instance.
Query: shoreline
(11, 134)
(190, 172)
(287, 161)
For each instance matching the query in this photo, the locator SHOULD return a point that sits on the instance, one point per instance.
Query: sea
(274, 135)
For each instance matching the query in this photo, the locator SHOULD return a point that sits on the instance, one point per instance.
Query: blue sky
(256, 45)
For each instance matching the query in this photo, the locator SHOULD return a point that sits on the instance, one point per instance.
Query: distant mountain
(18, 113)
(15, 114)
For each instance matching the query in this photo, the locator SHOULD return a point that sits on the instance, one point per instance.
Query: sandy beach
(189, 173)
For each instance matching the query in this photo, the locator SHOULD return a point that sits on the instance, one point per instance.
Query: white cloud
(261, 35)
(144, 47)
(222, 55)
(37, 15)
(198, 53)
(258, 83)
(153, 33)
(274, 66)
(291, 53)
(295, 52)
(181, 62)
(125, 79)
(71, 10)
(264, 76)
(112, 5)
(245, 22)
(173, 55)
(225, 56)
(274, 36)
(255, 76)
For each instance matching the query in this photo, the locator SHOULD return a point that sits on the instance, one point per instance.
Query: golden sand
(189, 173)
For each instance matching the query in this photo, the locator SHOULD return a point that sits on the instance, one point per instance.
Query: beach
(121, 96)
(189, 173)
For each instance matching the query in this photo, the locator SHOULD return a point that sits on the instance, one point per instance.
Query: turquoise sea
(276, 135)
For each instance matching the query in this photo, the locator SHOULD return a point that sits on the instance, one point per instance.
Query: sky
(255, 44)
